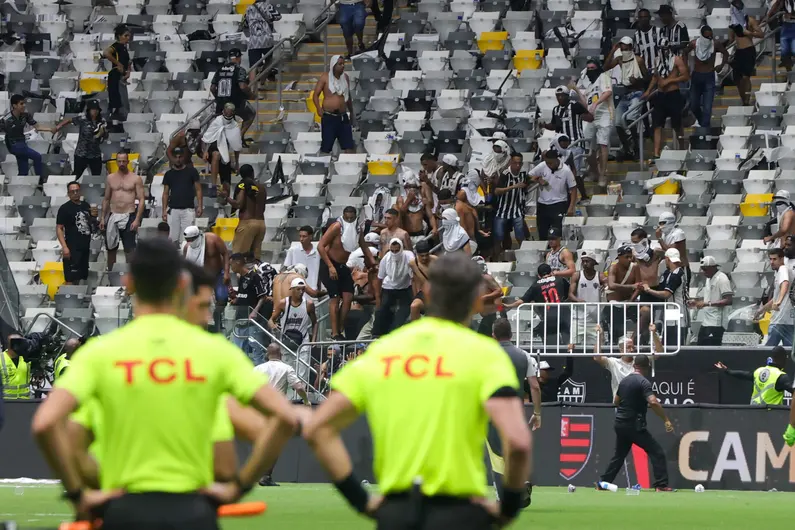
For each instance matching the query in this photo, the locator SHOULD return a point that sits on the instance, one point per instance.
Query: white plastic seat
(86, 61)
(723, 227)
(735, 137)
(524, 40)
(22, 186)
(289, 161)
(192, 101)
(180, 61)
(45, 251)
(751, 250)
(737, 116)
(106, 299)
(56, 185)
(484, 21)
(230, 23)
(480, 119)
(386, 100)
(171, 42)
(465, 7)
(379, 143)
(722, 250)
(409, 121)
(759, 181)
(10, 225)
(7, 206)
(168, 124)
(463, 60)
(422, 42)
(434, 60)
(770, 94)
(556, 59)
(696, 183)
(661, 203)
(444, 23)
(441, 122)
(308, 185)
(496, 79)
(167, 24)
(350, 163)
(31, 296)
(164, 102)
(394, 43)
(437, 80)
(22, 271)
(623, 226)
(296, 122)
(140, 123)
(693, 227)
(14, 61)
(84, 43)
(307, 143)
(406, 80)
(219, 7)
(451, 103)
(730, 159)
(146, 144)
(747, 275)
(719, 18)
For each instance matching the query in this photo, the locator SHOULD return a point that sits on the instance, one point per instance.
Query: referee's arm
(506, 412)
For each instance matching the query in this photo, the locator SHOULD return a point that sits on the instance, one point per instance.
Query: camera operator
(63, 360)
(14, 369)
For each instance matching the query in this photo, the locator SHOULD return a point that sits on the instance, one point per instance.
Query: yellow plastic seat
(310, 105)
(756, 204)
(669, 187)
(225, 228)
(114, 167)
(764, 323)
(242, 5)
(492, 41)
(528, 60)
(381, 167)
(94, 82)
(51, 275)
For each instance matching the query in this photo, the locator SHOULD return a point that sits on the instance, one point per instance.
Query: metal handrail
(51, 319)
(323, 25)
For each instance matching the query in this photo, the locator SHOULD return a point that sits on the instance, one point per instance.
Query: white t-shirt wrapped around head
(784, 314)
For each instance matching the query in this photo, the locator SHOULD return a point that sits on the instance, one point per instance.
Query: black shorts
(243, 110)
(744, 62)
(75, 268)
(401, 512)
(668, 105)
(335, 127)
(160, 511)
(343, 283)
(126, 236)
(224, 170)
(254, 55)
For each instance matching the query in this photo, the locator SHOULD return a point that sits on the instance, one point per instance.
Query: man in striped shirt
(647, 38)
(511, 192)
(674, 31)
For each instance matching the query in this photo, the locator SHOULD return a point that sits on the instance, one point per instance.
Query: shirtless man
(702, 79)
(336, 114)
(369, 286)
(492, 293)
(419, 267)
(283, 280)
(469, 222)
(668, 72)
(430, 174)
(335, 247)
(648, 265)
(119, 213)
(189, 141)
(392, 229)
(211, 253)
(415, 208)
(250, 197)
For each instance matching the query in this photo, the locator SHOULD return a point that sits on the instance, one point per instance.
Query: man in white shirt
(557, 195)
(596, 93)
(716, 297)
(622, 367)
(586, 287)
(282, 377)
(395, 274)
(671, 236)
(782, 324)
(306, 254)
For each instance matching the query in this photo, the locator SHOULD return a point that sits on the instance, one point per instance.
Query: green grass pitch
(315, 506)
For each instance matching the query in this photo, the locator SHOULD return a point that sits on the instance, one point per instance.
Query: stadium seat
(756, 204)
(492, 40)
(225, 228)
(51, 275)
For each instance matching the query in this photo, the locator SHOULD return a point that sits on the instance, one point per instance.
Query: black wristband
(511, 502)
(73, 496)
(354, 493)
(242, 487)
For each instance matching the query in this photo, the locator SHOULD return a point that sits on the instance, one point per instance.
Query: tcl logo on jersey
(571, 392)
(161, 371)
(415, 366)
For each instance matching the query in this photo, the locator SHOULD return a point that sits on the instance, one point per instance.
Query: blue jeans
(23, 153)
(352, 18)
(501, 226)
(629, 102)
(252, 350)
(702, 94)
(787, 38)
(780, 333)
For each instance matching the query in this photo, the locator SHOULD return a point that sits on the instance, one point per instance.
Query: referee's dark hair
(155, 269)
(501, 330)
(455, 282)
(642, 362)
(198, 275)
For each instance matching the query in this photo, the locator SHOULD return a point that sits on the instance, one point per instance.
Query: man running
(420, 268)
(297, 316)
(120, 214)
(702, 80)
(430, 369)
(210, 251)
(335, 248)
(250, 198)
(336, 113)
(158, 374)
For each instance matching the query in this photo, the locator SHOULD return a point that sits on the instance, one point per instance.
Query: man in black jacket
(550, 385)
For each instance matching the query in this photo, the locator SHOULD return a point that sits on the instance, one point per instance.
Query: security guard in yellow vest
(63, 360)
(15, 373)
(770, 381)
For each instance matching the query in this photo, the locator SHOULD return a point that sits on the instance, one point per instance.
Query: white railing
(571, 328)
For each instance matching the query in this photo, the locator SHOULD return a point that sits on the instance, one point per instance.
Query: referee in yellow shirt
(157, 382)
(428, 390)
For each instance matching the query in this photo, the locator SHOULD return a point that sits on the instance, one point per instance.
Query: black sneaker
(529, 499)
(267, 481)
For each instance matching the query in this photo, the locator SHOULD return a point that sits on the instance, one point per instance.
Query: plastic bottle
(608, 486)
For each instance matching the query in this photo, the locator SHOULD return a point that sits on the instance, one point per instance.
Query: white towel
(739, 17)
(454, 237)
(705, 49)
(195, 250)
(377, 212)
(116, 222)
(349, 235)
(629, 67)
(396, 265)
(225, 132)
(495, 163)
(409, 178)
(470, 185)
(337, 85)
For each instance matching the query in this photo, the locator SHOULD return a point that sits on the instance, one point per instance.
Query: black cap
(92, 104)
(623, 250)
(178, 151)
(665, 9)
(552, 153)
(544, 270)
(235, 52)
(553, 233)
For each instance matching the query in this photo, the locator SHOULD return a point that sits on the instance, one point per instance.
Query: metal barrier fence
(9, 293)
(556, 329)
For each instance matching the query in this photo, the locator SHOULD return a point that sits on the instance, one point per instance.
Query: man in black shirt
(230, 84)
(551, 385)
(633, 397)
(181, 191)
(249, 299)
(552, 319)
(14, 126)
(73, 226)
